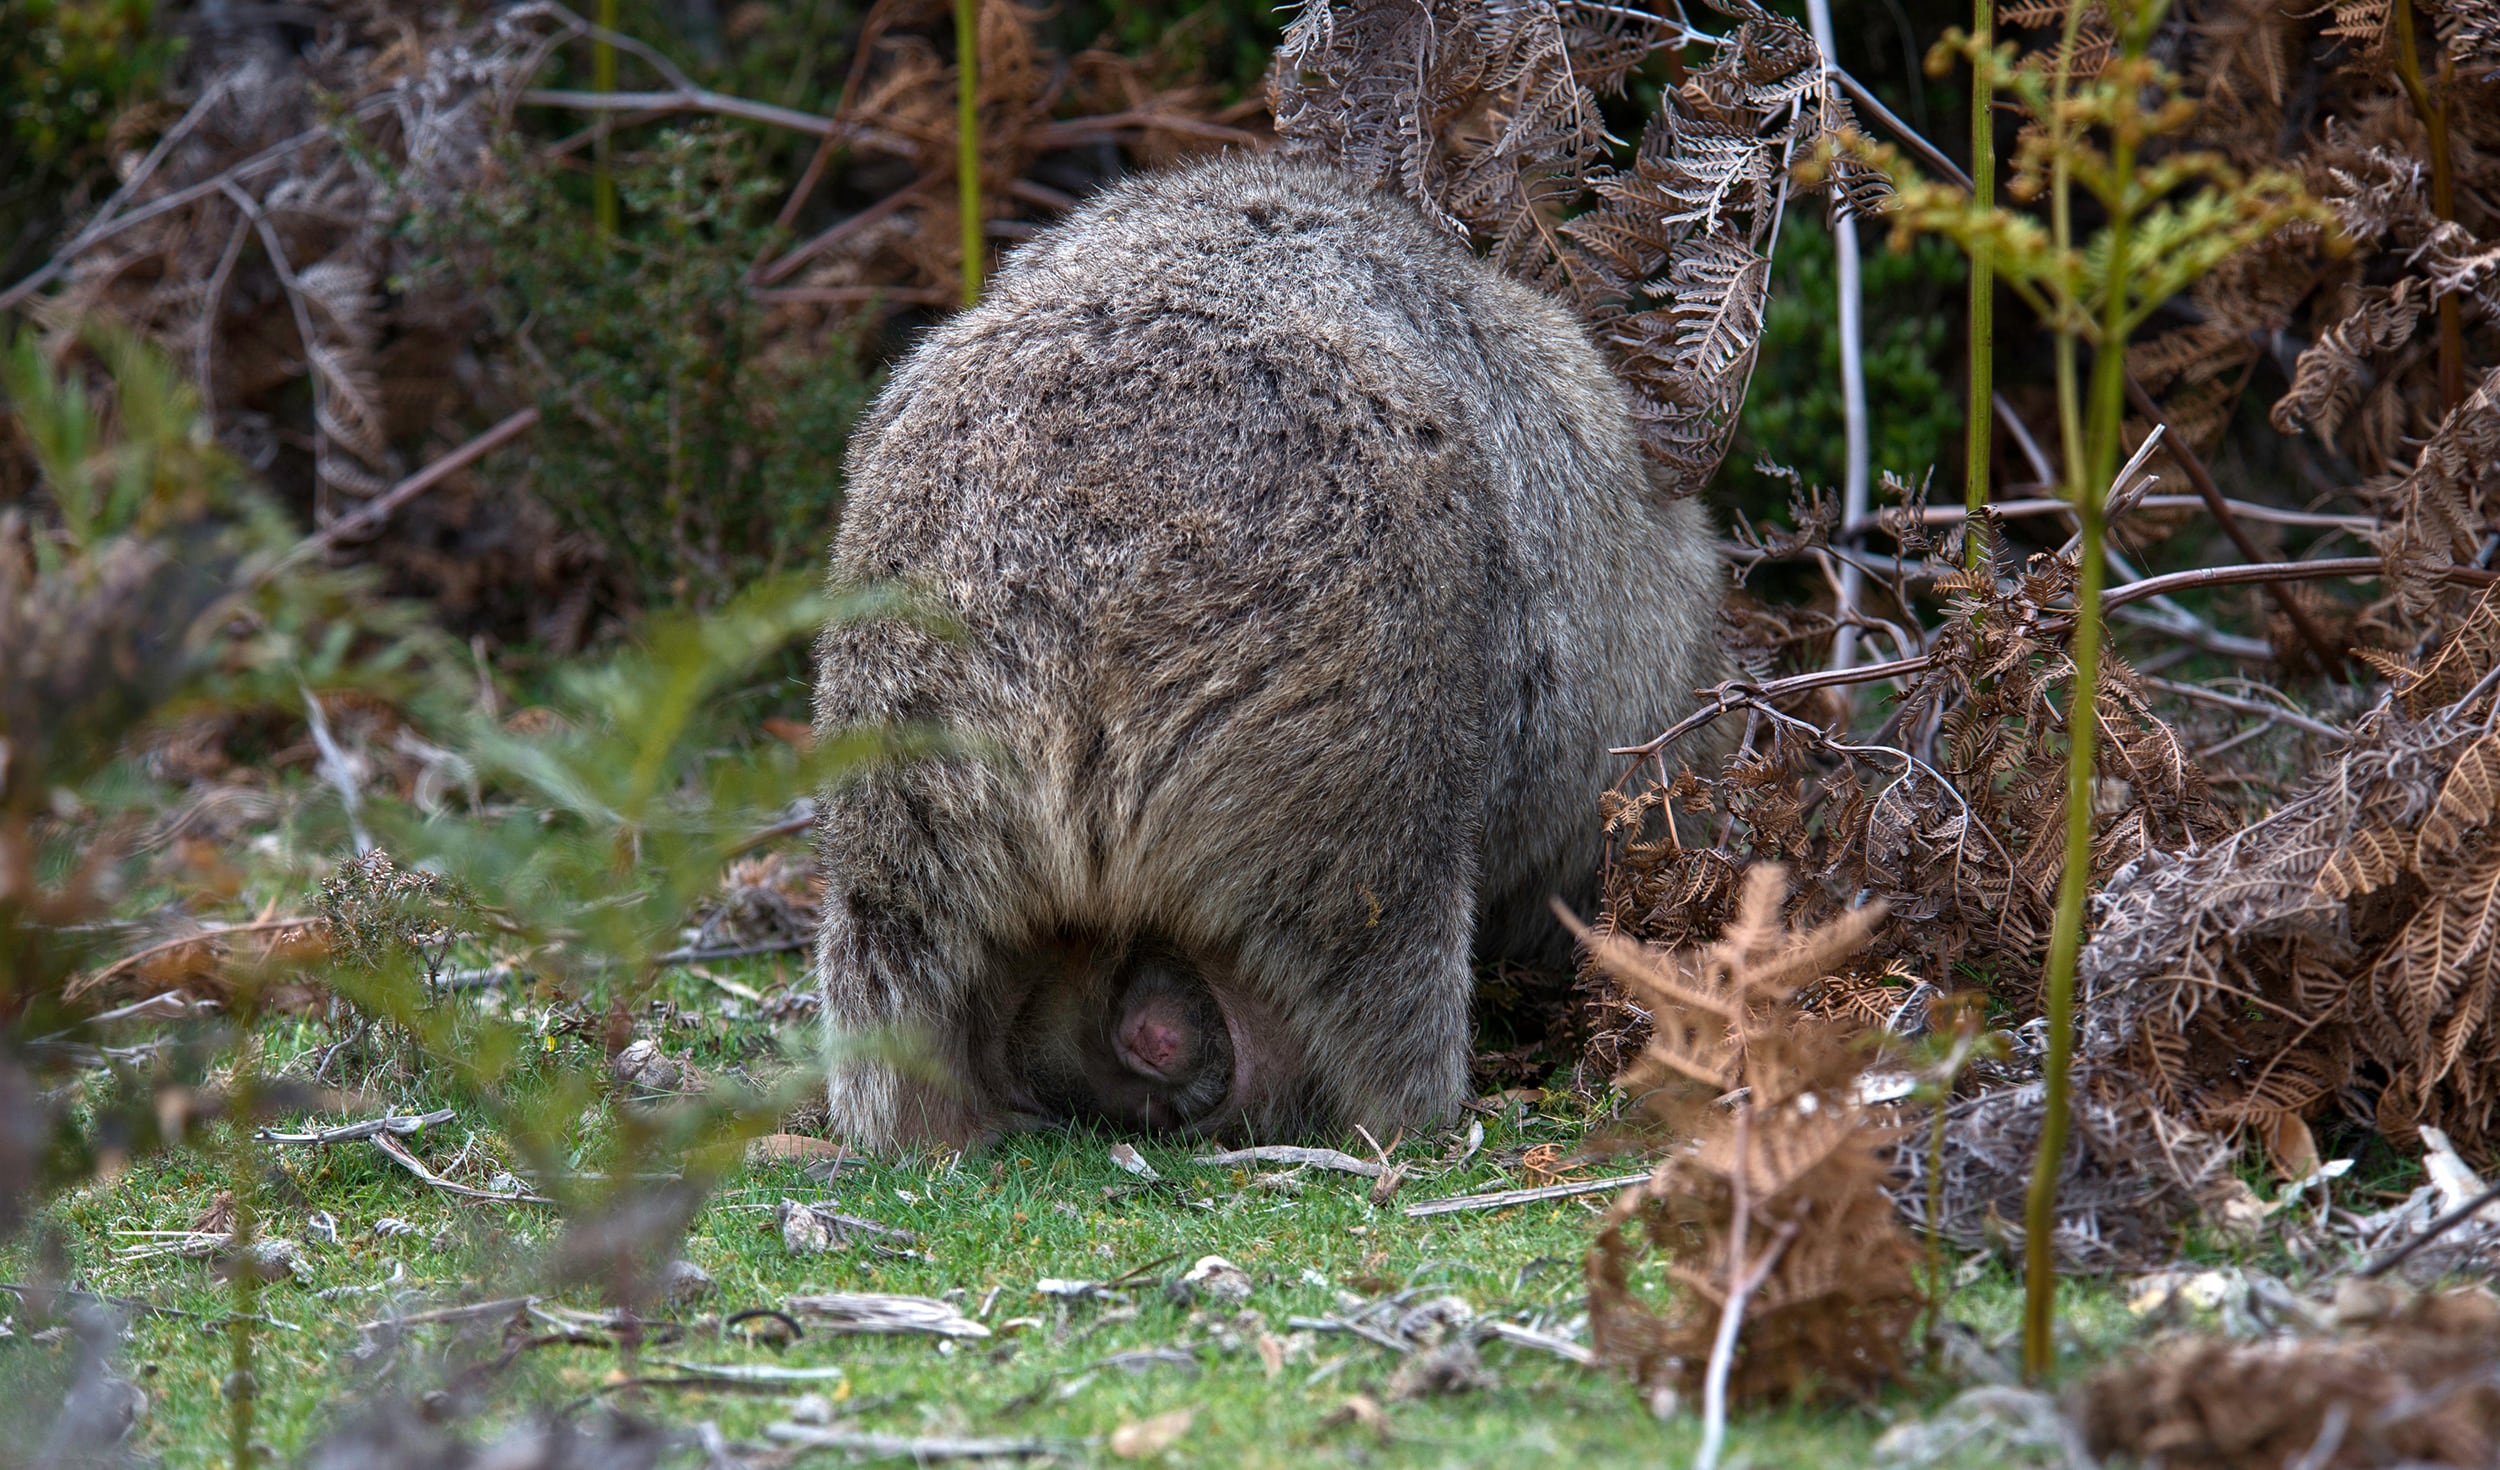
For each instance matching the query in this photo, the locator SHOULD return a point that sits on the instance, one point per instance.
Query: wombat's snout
(1152, 1042)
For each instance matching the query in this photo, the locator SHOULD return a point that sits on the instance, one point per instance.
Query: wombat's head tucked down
(1136, 1036)
(1305, 568)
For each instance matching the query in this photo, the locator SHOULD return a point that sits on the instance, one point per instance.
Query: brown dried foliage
(265, 238)
(899, 110)
(252, 241)
(1952, 814)
(2412, 1389)
(2317, 89)
(1776, 1180)
(2132, 1175)
(2343, 951)
(1487, 115)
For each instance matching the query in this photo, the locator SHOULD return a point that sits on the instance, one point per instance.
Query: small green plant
(1793, 414)
(703, 451)
(615, 816)
(2166, 219)
(70, 73)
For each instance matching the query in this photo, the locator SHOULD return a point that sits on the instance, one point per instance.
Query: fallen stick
(1284, 1153)
(909, 1447)
(1504, 1198)
(1544, 1342)
(692, 956)
(468, 1312)
(865, 1313)
(397, 1153)
(402, 1123)
(1363, 1330)
(2431, 1232)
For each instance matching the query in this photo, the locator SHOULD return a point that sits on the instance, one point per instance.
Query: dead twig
(397, 1153)
(2328, 655)
(701, 99)
(401, 1123)
(786, 945)
(375, 511)
(1544, 1342)
(851, 1313)
(2216, 697)
(2276, 571)
(918, 1449)
(1280, 1153)
(1731, 694)
(800, 254)
(106, 228)
(2431, 1232)
(2246, 510)
(1740, 1288)
(1504, 1198)
(65, 1293)
(506, 1306)
(127, 963)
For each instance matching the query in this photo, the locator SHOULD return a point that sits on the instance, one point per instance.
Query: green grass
(993, 1225)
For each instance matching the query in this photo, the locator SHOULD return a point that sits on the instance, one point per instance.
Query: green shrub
(703, 451)
(1914, 410)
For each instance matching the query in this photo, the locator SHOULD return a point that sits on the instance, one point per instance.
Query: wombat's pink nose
(1152, 1044)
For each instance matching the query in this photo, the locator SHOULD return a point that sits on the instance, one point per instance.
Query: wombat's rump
(1302, 570)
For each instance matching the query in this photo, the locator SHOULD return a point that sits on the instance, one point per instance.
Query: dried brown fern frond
(1486, 114)
(256, 242)
(1772, 1202)
(2332, 373)
(2317, 88)
(2438, 508)
(2413, 1388)
(2344, 951)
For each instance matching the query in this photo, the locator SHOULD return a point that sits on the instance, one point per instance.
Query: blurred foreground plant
(618, 814)
(152, 581)
(139, 585)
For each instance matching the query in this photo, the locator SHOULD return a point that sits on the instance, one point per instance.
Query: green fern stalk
(968, 139)
(2433, 113)
(2065, 935)
(2089, 486)
(1983, 285)
(603, 79)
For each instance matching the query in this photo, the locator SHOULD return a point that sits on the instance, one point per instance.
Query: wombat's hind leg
(894, 1067)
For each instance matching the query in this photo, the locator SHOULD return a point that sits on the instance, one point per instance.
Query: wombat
(1299, 569)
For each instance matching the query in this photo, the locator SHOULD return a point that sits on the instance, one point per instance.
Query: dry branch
(1280, 1153)
(392, 1149)
(1502, 1199)
(397, 1124)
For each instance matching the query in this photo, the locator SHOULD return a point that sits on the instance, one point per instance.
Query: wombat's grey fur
(1304, 569)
